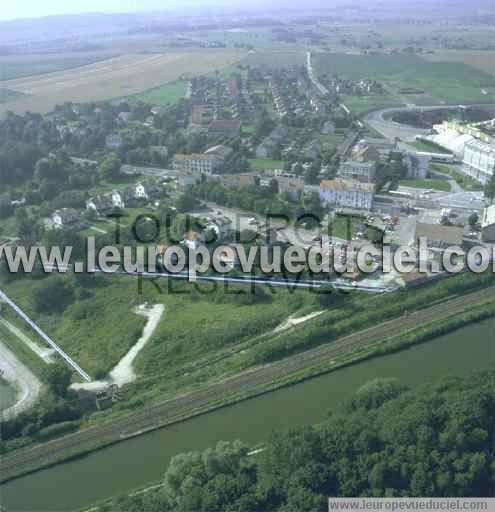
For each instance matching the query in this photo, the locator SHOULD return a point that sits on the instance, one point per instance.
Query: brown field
(483, 60)
(113, 78)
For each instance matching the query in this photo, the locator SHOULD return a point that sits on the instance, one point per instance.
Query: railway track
(248, 383)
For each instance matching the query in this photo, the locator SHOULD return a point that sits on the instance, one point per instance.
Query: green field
(442, 82)
(465, 182)
(440, 185)
(360, 105)
(429, 147)
(265, 163)
(7, 95)
(167, 94)
(99, 326)
(19, 66)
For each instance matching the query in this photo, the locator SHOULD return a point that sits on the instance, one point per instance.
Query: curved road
(18, 374)
(391, 129)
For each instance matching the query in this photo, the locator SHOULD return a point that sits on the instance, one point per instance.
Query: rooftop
(347, 184)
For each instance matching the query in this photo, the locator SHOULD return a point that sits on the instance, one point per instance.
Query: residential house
(222, 226)
(100, 204)
(236, 180)
(187, 178)
(146, 191)
(65, 217)
(273, 141)
(313, 150)
(228, 127)
(347, 193)
(328, 128)
(193, 239)
(124, 117)
(118, 199)
(113, 141)
(161, 150)
(294, 186)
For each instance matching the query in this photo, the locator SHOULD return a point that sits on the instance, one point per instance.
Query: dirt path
(123, 373)
(292, 321)
(26, 382)
(46, 354)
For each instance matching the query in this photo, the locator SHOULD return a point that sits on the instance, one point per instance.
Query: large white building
(213, 160)
(479, 160)
(347, 193)
(362, 171)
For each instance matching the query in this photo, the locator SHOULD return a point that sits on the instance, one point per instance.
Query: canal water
(133, 463)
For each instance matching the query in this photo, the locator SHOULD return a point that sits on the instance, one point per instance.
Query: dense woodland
(437, 440)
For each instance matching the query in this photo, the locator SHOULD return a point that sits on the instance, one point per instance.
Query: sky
(13, 9)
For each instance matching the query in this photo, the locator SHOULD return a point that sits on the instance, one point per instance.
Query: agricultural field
(360, 105)
(482, 60)
(167, 94)
(276, 59)
(440, 82)
(20, 66)
(113, 78)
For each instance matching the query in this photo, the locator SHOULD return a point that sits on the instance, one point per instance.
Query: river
(133, 463)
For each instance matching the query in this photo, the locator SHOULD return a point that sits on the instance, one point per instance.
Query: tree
(58, 378)
(110, 167)
(52, 295)
(473, 220)
(490, 188)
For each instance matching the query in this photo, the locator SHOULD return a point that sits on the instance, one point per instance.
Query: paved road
(27, 383)
(246, 384)
(391, 129)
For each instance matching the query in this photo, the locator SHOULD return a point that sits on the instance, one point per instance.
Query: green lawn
(463, 181)
(440, 185)
(167, 94)
(360, 105)
(429, 147)
(265, 163)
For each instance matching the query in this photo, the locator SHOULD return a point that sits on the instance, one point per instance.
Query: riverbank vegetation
(208, 333)
(436, 440)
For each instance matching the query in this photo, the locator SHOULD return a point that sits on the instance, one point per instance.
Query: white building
(118, 199)
(212, 160)
(488, 224)
(417, 165)
(362, 171)
(65, 217)
(347, 193)
(479, 160)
